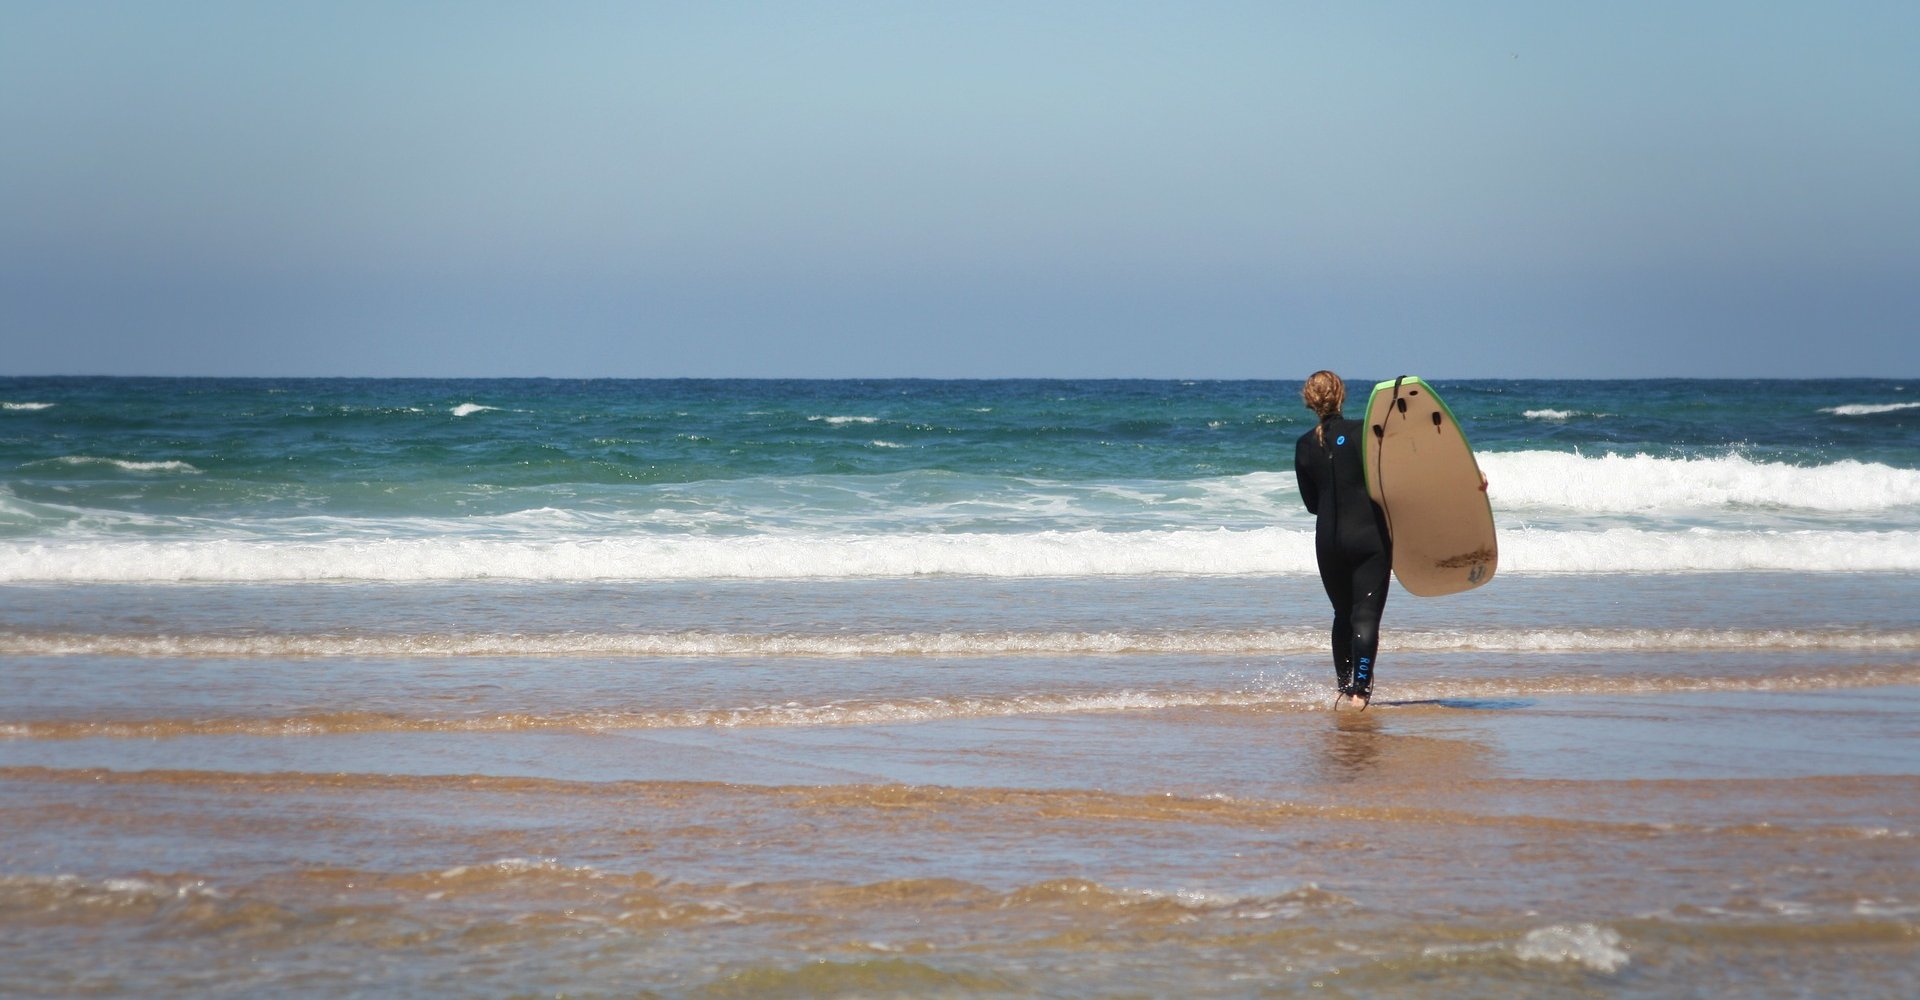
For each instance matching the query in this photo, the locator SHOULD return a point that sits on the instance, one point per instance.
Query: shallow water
(1691, 784)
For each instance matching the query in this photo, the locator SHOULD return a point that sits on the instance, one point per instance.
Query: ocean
(410, 687)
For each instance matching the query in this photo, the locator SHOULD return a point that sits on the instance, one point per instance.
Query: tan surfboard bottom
(1422, 473)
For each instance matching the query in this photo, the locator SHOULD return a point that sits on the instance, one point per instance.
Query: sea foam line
(1294, 694)
(847, 713)
(640, 901)
(1207, 642)
(1059, 554)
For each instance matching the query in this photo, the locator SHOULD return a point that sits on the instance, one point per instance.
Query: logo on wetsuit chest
(1342, 439)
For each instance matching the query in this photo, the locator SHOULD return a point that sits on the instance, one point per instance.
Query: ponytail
(1324, 394)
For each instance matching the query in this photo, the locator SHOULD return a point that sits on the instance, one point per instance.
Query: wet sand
(1626, 845)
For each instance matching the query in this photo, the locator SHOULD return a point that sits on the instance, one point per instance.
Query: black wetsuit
(1352, 545)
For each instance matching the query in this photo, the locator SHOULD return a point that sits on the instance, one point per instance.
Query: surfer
(1350, 541)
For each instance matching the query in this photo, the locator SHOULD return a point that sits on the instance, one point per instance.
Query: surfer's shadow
(1473, 704)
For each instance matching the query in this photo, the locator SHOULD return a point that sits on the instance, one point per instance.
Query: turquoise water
(182, 479)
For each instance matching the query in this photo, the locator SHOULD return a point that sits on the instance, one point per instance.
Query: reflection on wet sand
(1372, 748)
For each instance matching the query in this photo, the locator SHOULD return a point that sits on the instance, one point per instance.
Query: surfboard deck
(1421, 471)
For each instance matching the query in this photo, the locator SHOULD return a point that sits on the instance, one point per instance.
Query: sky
(969, 189)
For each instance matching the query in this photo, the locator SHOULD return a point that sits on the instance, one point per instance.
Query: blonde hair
(1324, 394)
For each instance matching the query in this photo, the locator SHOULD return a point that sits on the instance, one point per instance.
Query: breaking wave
(1261, 551)
(1608, 484)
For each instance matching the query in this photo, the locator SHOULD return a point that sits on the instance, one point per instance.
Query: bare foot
(1357, 702)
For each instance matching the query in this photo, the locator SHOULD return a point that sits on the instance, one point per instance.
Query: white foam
(1052, 553)
(1293, 691)
(1200, 642)
(122, 464)
(1595, 947)
(25, 406)
(1630, 550)
(468, 409)
(1885, 907)
(1633, 483)
(518, 866)
(1262, 551)
(1527, 483)
(887, 444)
(933, 709)
(1868, 409)
(838, 421)
(112, 890)
(1557, 414)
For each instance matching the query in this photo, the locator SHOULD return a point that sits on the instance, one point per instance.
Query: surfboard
(1421, 472)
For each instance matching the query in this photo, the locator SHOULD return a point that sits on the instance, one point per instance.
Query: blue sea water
(265, 479)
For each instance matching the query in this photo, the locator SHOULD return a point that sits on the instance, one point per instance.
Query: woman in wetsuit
(1350, 541)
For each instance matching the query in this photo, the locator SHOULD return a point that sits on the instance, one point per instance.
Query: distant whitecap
(122, 464)
(1868, 409)
(466, 409)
